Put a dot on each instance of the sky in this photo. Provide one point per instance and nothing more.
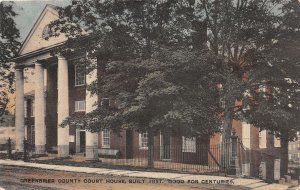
(29, 11)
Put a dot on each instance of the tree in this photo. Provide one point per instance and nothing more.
(255, 40)
(277, 107)
(154, 62)
(9, 44)
(133, 35)
(237, 31)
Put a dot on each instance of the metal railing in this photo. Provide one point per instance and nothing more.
(192, 159)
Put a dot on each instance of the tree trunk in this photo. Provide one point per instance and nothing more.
(150, 149)
(284, 158)
(226, 133)
(227, 125)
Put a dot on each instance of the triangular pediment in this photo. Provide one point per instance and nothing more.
(37, 37)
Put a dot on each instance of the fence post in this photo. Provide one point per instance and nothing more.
(9, 148)
(234, 165)
(25, 156)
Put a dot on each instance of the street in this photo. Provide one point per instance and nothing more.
(20, 178)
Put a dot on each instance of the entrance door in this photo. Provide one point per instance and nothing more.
(129, 144)
(165, 146)
(82, 141)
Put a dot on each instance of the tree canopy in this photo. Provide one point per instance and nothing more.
(9, 45)
(168, 63)
(240, 33)
(156, 65)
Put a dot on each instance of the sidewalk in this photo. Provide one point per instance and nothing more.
(249, 183)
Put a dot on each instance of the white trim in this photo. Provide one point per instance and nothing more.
(140, 141)
(276, 169)
(102, 138)
(75, 79)
(77, 139)
(190, 142)
(276, 142)
(262, 139)
(246, 134)
(26, 131)
(36, 24)
(25, 108)
(79, 106)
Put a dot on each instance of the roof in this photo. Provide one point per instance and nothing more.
(34, 42)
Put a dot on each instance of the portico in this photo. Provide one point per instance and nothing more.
(40, 67)
(56, 93)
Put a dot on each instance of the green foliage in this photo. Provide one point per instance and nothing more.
(149, 52)
(9, 44)
(245, 35)
(277, 70)
(173, 90)
(159, 69)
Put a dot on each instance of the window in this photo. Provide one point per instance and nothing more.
(25, 108)
(263, 139)
(276, 141)
(32, 108)
(79, 75)
(188, 144)
(246, 137)
(105, 138)
(79, 106)
(143, 140)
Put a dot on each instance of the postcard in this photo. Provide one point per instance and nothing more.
(143, 94)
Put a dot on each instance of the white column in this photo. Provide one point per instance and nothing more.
(62, 107)
(39, 110)
(20, 131)
(91, 149)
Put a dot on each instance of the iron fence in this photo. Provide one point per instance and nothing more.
(203, 158)
(192, 159)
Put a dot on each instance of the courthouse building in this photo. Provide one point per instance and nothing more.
(59, 90)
